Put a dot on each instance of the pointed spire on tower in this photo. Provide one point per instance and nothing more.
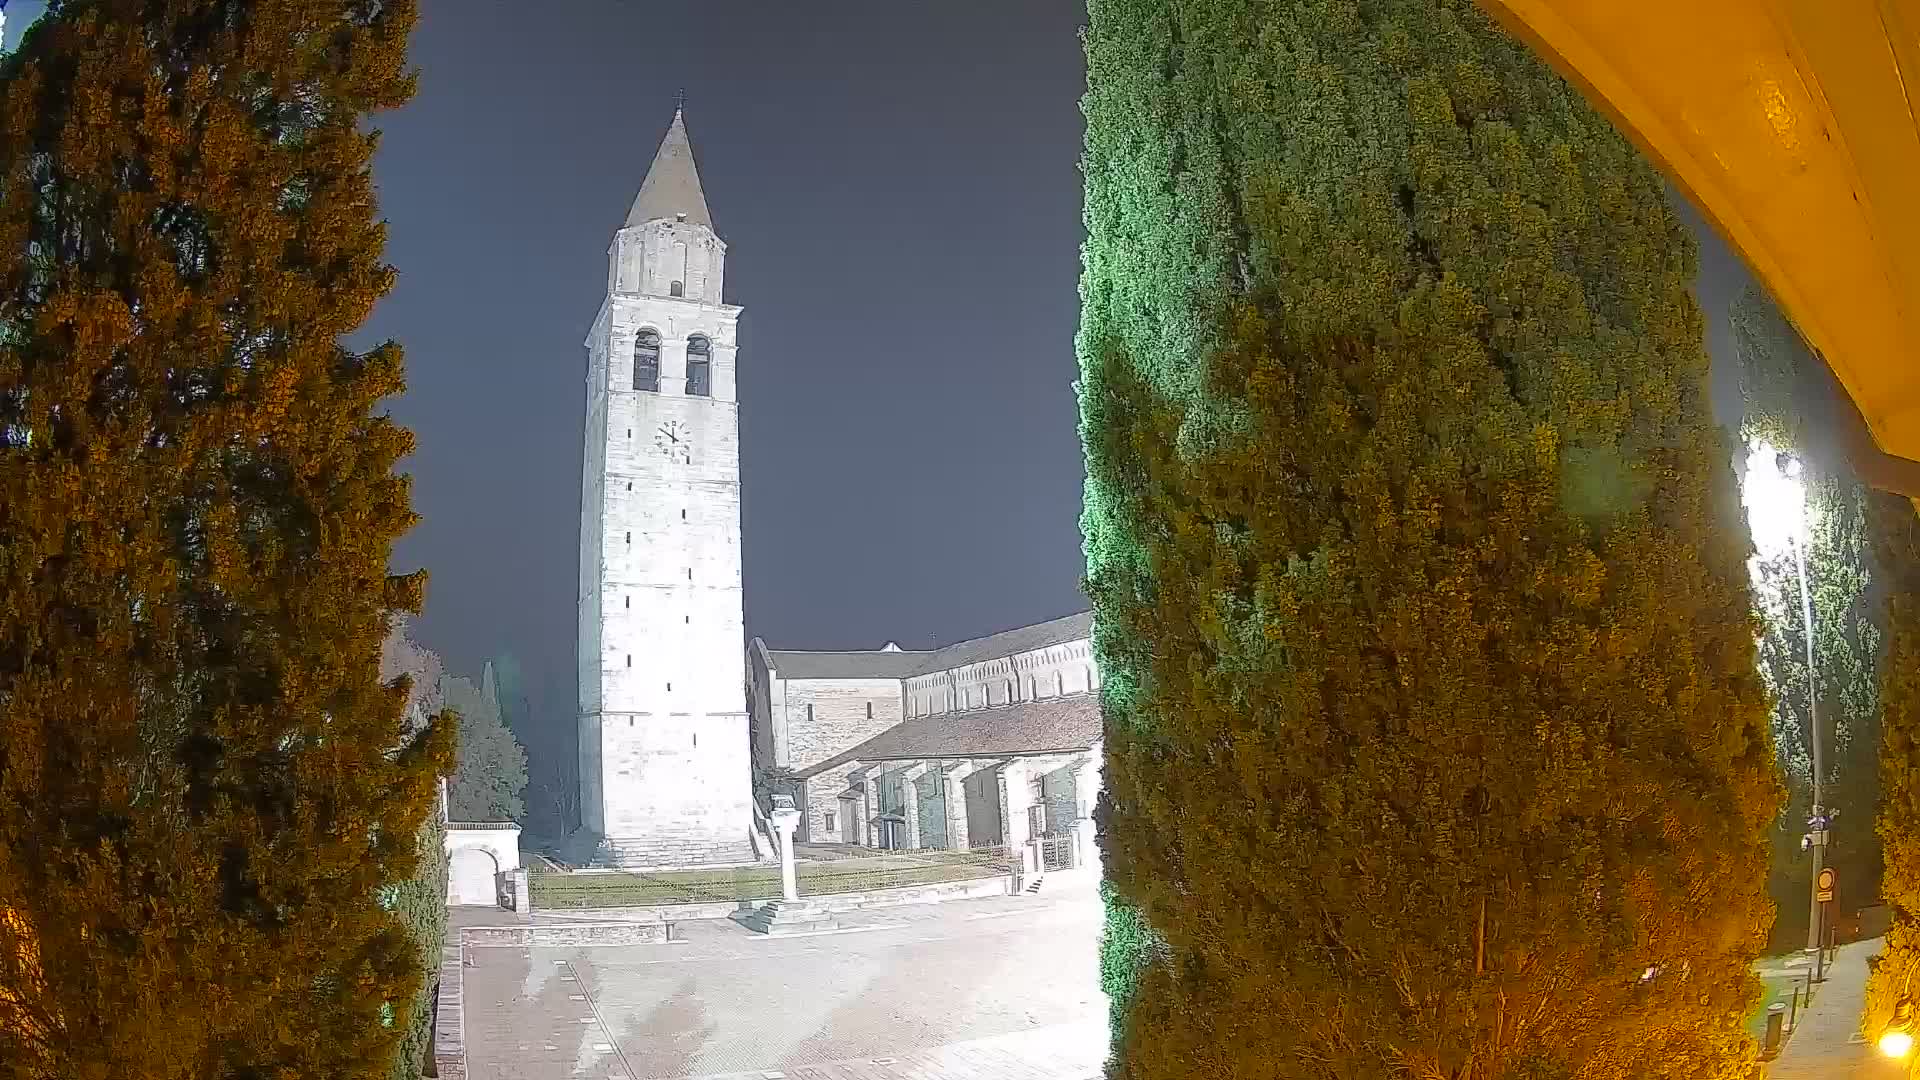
(672, 187)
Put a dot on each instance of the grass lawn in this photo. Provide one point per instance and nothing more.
(816, 878)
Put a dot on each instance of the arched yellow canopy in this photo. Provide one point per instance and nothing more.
(1791, 125)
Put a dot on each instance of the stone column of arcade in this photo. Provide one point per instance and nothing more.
(785, 820)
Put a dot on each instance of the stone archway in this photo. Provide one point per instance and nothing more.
(472, 878)
(477, 853)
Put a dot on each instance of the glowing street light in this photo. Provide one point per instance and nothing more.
(1897, 1040)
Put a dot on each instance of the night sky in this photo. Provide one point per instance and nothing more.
(898, 186)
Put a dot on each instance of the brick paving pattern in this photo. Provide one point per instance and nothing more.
(1006, 988)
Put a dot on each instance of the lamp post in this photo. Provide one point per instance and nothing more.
(1818, 820)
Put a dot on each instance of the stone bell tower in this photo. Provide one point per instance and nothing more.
(664, 767)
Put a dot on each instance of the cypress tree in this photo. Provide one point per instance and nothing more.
(421, 900)
(1846, 618)
(1896, 538)
(490, 778)
(1434, 741)
(205, 785)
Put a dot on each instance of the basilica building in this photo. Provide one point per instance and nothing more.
(985, 743)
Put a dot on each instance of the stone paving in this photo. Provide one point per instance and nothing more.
(1827, 1043)
(1006, 989)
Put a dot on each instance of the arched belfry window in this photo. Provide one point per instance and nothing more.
(699, 367)
(646, 361)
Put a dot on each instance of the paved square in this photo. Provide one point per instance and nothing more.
(1006, 989)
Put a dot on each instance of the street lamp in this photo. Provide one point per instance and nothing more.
(1897, 1040)
(1776, 501)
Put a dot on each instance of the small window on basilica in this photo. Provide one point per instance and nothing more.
(677, 289)
(699, 367)
(829, 815)
(646, 363)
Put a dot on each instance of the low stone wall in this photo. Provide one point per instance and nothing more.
(449, 1018)
(659, 913)
(563, 934)
(911, 894)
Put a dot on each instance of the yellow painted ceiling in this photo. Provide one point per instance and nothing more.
(1791, 126)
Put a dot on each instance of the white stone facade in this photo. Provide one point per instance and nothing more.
(814, 711)
(477, 856)
(1033, 675)
(664, 760)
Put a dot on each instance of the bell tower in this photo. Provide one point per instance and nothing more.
(664, 766)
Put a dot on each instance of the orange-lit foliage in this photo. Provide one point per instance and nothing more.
(1432, 722)
(1895, 532)
(204, 785)
(23, 988)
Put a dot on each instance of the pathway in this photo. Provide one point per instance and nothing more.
(993, 989)
(1827, 1044)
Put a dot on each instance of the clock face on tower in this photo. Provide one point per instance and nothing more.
(674, 441)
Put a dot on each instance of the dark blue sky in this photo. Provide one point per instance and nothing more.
(898, 186)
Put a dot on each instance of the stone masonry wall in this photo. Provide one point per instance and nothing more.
(825, 717)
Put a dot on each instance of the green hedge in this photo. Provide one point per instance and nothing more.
(1847, 613)
(421, 903)
(1432, 721)
(1896, 534)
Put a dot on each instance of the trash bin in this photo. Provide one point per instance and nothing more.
(1776, 1023)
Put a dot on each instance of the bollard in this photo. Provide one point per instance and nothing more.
(1776, 1020)
(1793, 1018)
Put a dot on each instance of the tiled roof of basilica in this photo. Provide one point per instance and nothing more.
(1028, 727)
(900, 664)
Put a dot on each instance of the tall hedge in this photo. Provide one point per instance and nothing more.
(1847, 617)
(1435, 745)
(1896, 535)
(421, 904)
(205, 784)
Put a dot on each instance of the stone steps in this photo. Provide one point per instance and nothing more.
(777, 917)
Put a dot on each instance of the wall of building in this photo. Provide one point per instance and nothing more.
(1067, 668)
(824, 717)
(761, 708)
(1060, 792)
(820, 718)
(984, 825)
(651, 257)
(929, 791)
